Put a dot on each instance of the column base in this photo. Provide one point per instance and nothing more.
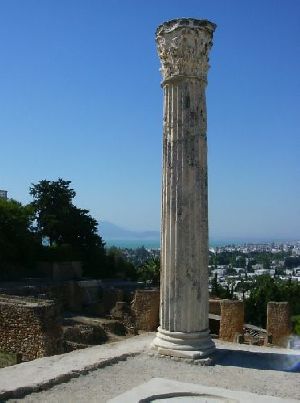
(194, 345)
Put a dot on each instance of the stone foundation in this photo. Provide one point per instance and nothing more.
(145, 308)
(30, 327)
(232, 319)
(278, 322)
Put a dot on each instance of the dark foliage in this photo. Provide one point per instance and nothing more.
(18, 245)
(267, 289)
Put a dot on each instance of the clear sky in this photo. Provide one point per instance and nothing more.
(80, 99)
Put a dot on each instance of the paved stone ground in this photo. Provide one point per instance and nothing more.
(262, 371)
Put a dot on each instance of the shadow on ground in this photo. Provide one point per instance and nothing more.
(262, 361)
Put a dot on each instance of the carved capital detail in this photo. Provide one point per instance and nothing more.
(183, 46)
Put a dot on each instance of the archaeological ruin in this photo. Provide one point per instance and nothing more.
(29, 327)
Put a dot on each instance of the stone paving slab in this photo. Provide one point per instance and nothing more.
(41, 373)
(167, 390)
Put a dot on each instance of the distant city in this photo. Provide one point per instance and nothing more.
(234, 267)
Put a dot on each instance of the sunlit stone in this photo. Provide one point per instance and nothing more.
(183, 47)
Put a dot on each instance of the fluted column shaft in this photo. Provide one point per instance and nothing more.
(184, 244)
(183, 47)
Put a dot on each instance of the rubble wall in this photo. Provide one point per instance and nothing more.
(30, 327)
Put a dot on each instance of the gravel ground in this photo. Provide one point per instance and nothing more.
(250, 374)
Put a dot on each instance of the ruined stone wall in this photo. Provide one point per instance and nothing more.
(215, 306)
(232, 319)
(60, 271)
(30, 327)
(278, 322)
(145, 308)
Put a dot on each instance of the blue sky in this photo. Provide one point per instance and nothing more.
(81, 99)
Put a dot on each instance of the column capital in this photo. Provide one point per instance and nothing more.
(183, 45)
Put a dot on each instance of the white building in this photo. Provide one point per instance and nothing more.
(3, 194)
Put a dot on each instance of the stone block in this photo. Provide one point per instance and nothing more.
(85, 334)
(232, 319)
(145, 308)
(120, 310)
(278, 322)
(215, 306)
(30, 327)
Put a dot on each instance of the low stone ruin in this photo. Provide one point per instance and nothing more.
(278, 322)
(33, 327)
(145, 308)
(226, 320)
(30, 327)
(232, 319)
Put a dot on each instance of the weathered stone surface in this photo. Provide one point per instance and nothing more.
(215, 306)
(85, 334)
(183, 46)
(232, 319)
(116, 327)
(110, 297)
(145, 307)
(120, 310)
(30, 327)
(17, 380)
(176, 392)
(278, 322)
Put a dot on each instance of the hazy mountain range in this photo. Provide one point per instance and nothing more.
(110, 231)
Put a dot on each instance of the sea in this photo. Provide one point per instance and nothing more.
(132, 244)
(155, 244)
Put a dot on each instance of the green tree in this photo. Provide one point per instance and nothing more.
(72, 232)
(118, 266)
(52, 202)
(241, 261)
(218, 291)
(291, 262)
(58, 219)
(149, 272)
(243, 286)
(17, 241)
(266, 289)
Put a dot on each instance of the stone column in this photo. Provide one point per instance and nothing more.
(183, 47)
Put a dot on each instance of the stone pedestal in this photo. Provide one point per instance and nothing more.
(232, 320)
(145, 307)
(183, 47)
(278, 322)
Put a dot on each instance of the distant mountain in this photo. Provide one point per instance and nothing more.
(110, 231)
